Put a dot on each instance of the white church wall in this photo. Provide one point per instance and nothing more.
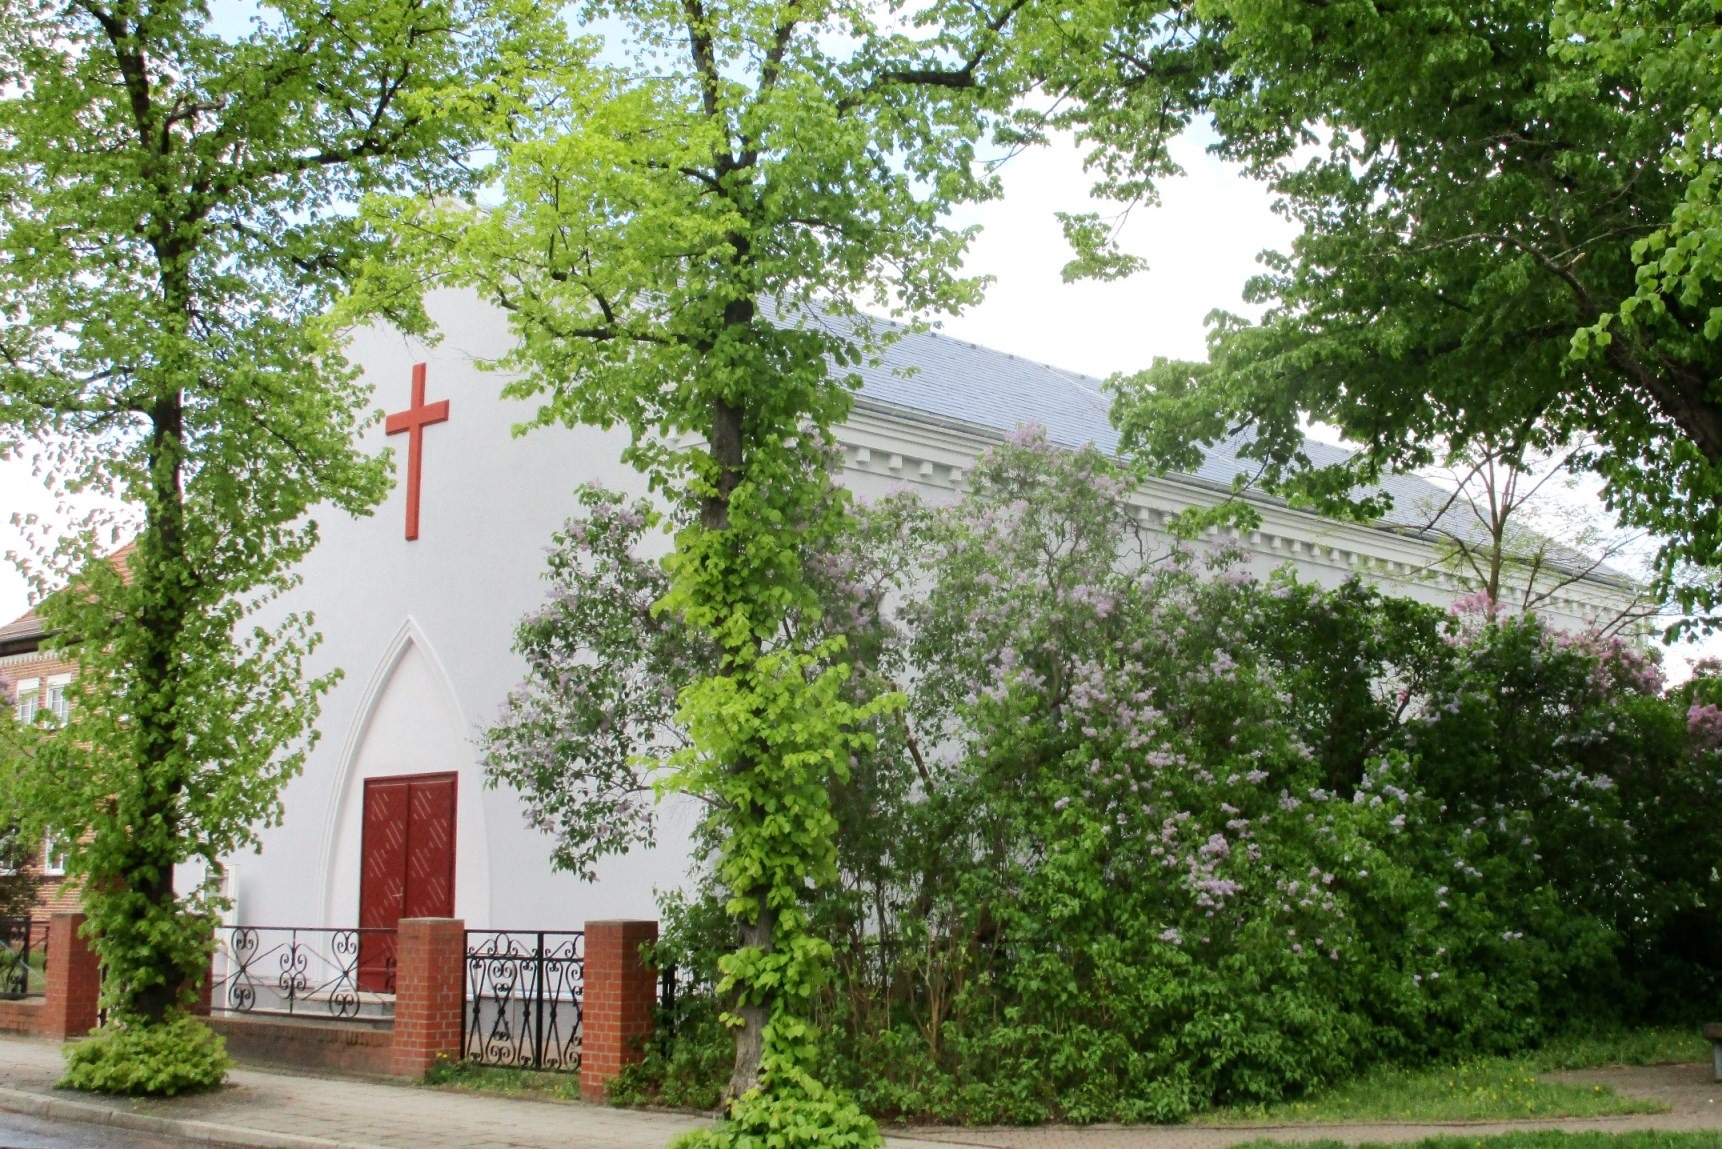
(489, 504)
(423, 629)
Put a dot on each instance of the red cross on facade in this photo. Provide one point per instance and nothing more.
(413, 422)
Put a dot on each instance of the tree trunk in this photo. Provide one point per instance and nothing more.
(750, 1036)
(726, 451)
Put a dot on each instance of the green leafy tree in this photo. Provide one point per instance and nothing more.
(679, 245)
(18, 880)
(176, 221)
(1509, 235)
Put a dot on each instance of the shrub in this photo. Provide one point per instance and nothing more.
(810, 1117)
(179, 1055)
(1153, 831)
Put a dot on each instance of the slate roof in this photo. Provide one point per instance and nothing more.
(21, 635)
(954, 380)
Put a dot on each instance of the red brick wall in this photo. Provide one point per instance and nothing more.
(22, 1017)
(54, 895)
(620, 994)
(342, 1048)
(57, 896)
(74, 980)
(430, 961)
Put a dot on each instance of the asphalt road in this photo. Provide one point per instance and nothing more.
(20, 1132)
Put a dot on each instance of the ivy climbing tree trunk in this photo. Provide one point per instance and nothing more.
(680, 246)
(756, 932)
(149, 853)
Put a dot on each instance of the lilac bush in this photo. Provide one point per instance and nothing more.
(582, 734)
(1149, 830)
(1194, 835)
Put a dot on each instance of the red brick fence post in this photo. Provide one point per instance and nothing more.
(619, 993)
(74, 983)
(430, 992)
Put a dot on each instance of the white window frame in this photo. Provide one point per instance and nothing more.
(53, 864)
(5, 870)
(53, 697)
(29, 698)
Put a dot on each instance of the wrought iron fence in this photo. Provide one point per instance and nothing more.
(338, 973)
(23, 957)
(523, 998)
(680, 992)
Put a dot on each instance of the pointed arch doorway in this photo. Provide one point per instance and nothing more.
(406, 864)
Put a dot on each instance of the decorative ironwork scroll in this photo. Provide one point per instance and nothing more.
(23, 952)
(297, 970)
(523, 998)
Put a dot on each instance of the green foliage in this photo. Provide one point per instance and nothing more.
(1669, 49)
(148, 1059)
(805, 1116)
(1589, 1047)
(1152, 834)
(686, 1068)
(176, 223)
(1489, 1089)
(1509, 230)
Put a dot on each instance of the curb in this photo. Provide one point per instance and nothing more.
(191, 1132)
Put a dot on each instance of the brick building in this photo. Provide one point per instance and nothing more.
(39, 679)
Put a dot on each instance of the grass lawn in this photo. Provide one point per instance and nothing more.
(1663, 1046)
(1488, 1089)
(1542, 1139)
(1494, 1090)
(465, 1077)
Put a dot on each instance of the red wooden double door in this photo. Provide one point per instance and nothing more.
(407, 868)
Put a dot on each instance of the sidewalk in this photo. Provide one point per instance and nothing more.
(268, 1110)
(265, 1110)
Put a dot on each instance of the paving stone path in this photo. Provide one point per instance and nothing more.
(276, 1110)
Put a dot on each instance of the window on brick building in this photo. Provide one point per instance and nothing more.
(54, 697)
(53, 860)
(29, 698)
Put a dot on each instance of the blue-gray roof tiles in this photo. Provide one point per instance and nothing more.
(949, 379)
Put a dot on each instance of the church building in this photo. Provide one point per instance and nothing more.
(418, 604)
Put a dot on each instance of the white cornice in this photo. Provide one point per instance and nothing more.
(24, 658)
(935, 453)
